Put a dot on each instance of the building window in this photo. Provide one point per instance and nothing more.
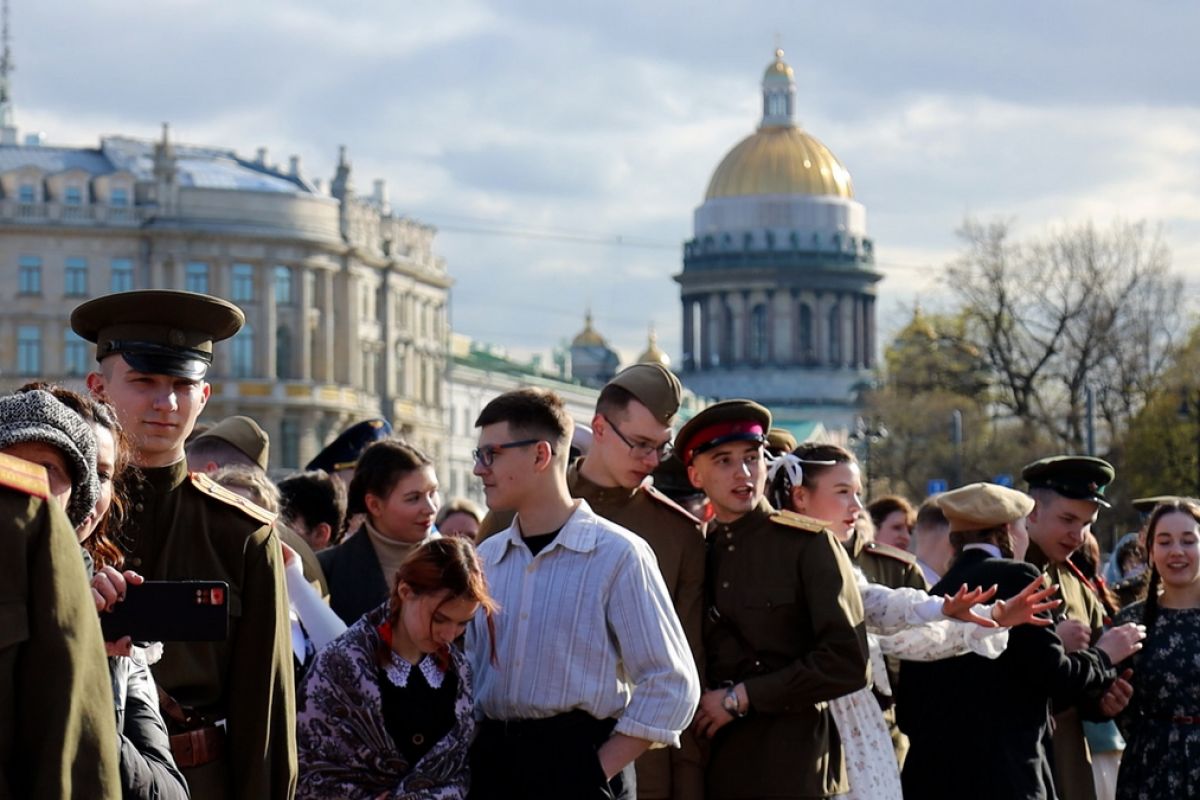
(835, 336)
(119, 197)
(196, 277)
(121, 277)
(75, 354)
(804, 334)
(29, 275)
(75, 280)
(758, 334)
(283, 286)
(243, 283)
(29, 351)
(242, 353)
(289, 435)
(26, 193)
(73, 196)
(283, 353)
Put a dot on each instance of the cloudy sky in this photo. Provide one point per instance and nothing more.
(561, 148)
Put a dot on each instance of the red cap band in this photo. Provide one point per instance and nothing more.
(720, 433)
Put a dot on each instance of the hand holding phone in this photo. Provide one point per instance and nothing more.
(170, 611)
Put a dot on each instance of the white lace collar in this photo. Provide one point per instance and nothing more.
(398, 671)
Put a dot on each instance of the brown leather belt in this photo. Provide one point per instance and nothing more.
(199, 747)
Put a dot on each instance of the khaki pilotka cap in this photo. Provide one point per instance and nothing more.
(244, 434)
(780, 441)
(979, 506)
(654, 386)
(159, 332)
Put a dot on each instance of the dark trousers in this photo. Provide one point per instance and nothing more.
(545, 759)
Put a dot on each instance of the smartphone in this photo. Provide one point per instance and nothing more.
(170, 611)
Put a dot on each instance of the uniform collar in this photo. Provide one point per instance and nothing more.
(593, 492)
(745, 522)
(1035, 556)
(854, 545)
(164, 479)
(578, 533)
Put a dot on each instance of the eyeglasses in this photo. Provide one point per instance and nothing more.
(640, 450)
(485, 456)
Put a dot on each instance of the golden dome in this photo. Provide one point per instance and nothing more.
(780, 160)
(653, 355)
(588, 337)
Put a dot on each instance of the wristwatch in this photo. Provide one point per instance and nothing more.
(730, 702)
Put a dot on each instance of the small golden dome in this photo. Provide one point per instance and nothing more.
(588, 337)
(653, 355)
(780, 160)
(778, 67)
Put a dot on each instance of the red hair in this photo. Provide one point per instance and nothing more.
(447, 564)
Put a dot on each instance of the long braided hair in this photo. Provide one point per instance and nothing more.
(1192, 509)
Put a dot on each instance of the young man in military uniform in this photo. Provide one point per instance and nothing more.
(631, 434)
(232, 703)
(1068, 492)
(784, 632)
(58, 735)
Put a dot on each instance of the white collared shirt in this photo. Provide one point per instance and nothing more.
(586, 624)
(987, 547)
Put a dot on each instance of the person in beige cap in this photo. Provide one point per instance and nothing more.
(631, 436)
(233, 440)
(232, 703)
(978, 727)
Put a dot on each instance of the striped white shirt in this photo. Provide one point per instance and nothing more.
(586, 624)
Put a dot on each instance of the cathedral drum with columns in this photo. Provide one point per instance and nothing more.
(778, 282)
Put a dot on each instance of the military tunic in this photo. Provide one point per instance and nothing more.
(676, 538)
(895, 568)
(58, 733)
(1072, 759)
(787, 620)
(187, 528)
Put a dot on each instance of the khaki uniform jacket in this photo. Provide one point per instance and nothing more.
(185, 527)
(677, 540)
(895, 568)
(1072, 759)
(787, 620)
(58, 732)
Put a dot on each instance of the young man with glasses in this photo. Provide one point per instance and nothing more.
(590, 667)
(631, 435)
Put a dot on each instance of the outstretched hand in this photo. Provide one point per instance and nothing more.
(959, 605)
(1024, 607)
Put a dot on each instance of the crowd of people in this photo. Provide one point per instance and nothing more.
(708, 612)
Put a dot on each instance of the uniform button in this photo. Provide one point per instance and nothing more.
(139, 507)
(729, 535)
(134, 562)
(724, 584)
(731, 548)
(524, 615)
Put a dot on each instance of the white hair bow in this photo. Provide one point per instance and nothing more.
(791, 464)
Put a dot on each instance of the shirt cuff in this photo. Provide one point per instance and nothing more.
(656, 736)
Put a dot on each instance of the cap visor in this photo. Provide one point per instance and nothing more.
(177, 367)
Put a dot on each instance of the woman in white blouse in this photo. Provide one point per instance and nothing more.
(906, 623)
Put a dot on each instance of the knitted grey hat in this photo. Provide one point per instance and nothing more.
(38, 416)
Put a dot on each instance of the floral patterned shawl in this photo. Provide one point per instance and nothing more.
(345, 750)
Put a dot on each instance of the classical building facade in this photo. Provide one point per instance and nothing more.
(778, 281)
(345, 301)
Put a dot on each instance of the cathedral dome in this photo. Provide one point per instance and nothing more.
(653, 353)
(589, 336)
(780, 160)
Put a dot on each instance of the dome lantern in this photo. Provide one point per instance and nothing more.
(653, 353)
(779, 94)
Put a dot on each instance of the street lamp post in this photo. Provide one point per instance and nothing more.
(866, 434)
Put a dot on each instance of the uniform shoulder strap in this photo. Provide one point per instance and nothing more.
(660, 498)
(791, 519)
(207, 486)
(24, 476)
(887, 551)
